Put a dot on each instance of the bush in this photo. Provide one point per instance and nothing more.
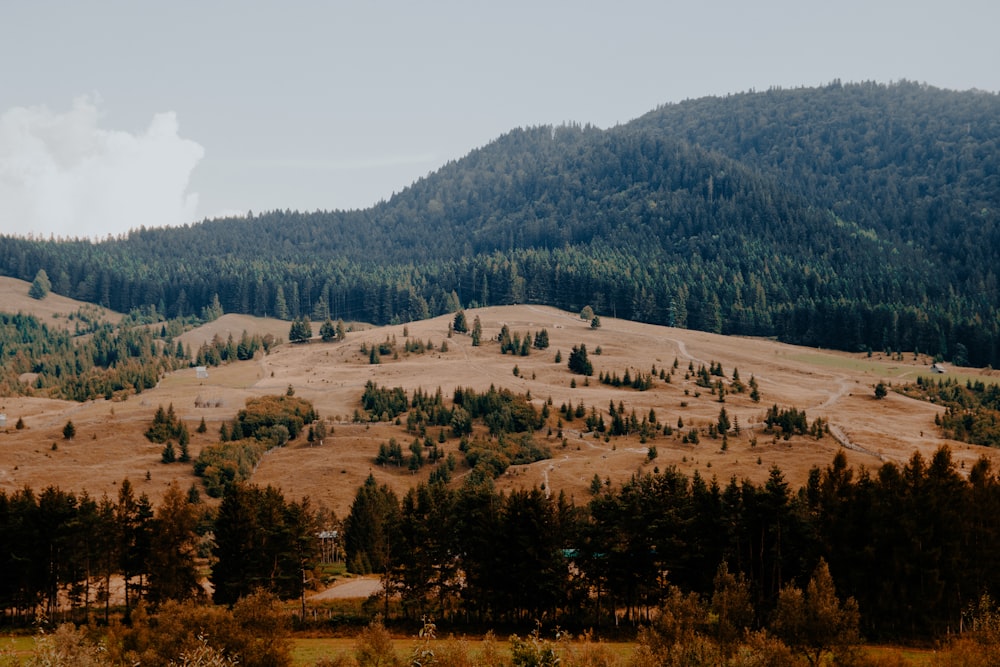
(374, 647)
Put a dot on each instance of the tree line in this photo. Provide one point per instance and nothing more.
(848, 216)
(914, 545)
(63, 546)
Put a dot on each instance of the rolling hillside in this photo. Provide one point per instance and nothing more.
(110, 446)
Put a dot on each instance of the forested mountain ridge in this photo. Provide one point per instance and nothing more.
(847, 216)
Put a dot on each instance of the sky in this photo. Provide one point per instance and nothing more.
(120, 114)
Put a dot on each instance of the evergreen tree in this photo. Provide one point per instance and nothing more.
(327, 331)
(477, 331)
(541, 341)
(578, 361)
(183, 440)
(370, 528)
(300, 331)
(40, 286)
(280, 304)
(173, 570)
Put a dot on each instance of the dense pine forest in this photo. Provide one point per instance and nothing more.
(859, 216)
(914, 545)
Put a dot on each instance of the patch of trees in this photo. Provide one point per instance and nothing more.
(63, 553)
(428, 409)
(266, 422)
(641, 381)
(383, 403)
(167, 428)
(786, 422)
(579, 363)
(391, 453)
(219, 351)
(328, 331)
(501, 410)
(264, 418)
(61, 546)
(508, 417)
(124, 359)
(262, 542)
(515, 344)
(111, 361)
(222, 464)
(972, 411)
(494, 455)
(301, 330)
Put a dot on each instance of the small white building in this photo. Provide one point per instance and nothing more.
(201, 372)
(938, 368)
(3, 420)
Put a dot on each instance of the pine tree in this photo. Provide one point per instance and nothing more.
(183, 439)
(169, 455)
(477, 331)
(578, 361)
(280, 305)
(300, 331)
(40, 286)
(327, 331)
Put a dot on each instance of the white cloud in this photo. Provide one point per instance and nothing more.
(61, 174)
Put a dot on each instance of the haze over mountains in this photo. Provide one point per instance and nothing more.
(851, 216)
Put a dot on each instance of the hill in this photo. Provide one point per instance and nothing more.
(856, 216)
(837, 387)
(54, 309)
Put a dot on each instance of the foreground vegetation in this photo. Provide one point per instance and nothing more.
(812, 628)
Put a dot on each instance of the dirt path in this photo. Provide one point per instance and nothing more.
(362, 587)
(838, 434)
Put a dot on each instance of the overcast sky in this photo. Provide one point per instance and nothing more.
(120, 114)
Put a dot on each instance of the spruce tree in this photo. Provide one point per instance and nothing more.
(40, 286)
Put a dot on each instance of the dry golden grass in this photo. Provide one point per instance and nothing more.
(53, 310)
(109, 445)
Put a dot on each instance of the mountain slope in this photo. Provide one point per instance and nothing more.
(847, 216)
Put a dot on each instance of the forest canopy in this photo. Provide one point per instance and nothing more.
(853, 216)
